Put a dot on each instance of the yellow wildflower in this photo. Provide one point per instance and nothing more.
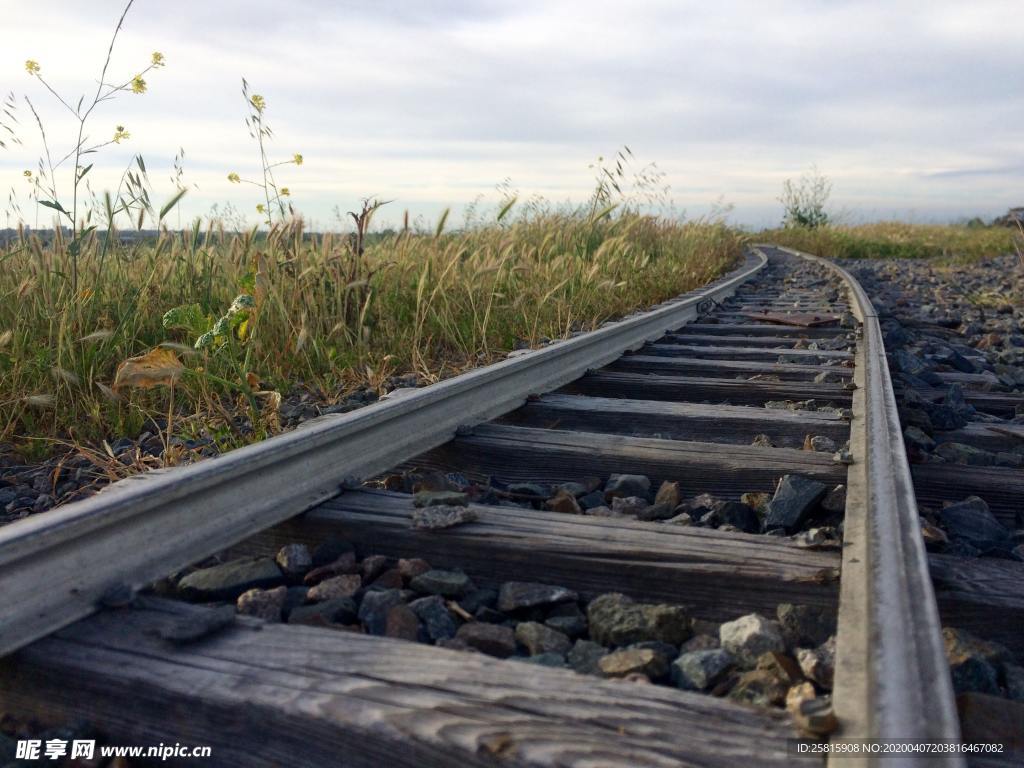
(285, 192)
(32, 67)
(234, 178)
(138, 84)
(158, 59)
(297, 158)
(260, 208)
(258, 102)
(120, 133)
(28, 174)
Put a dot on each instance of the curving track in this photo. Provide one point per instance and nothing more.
(675, 394)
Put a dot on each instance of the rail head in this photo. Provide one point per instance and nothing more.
(892, 681)
(56, 567)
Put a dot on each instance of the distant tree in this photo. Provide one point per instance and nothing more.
(803, 202)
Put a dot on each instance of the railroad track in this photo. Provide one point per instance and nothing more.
(545, 485)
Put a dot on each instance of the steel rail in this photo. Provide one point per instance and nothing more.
(892, 680)
(57, 567)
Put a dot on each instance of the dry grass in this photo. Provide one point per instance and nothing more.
(327, 316)
(891, 239)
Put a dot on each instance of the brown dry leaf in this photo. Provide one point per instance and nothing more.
(156, 367)
(271, 399)
(271, 407)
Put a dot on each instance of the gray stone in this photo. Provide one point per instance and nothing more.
(974, 663)
(760, 687)
(446, 583)
(655, 512)
(229, 580)
(339, 611)
(794, 500)
(971, 522)
(669, 651)
(478, 599)
(345, 585)
(710, 520)
(266, 604)
(492, 639)
(568, 619)
(591, 500)
(435, 616)
(700, 670)
(373, 611)
(489, 615)
(698, 506)
(628, 506)
(956, 401)
(517, 595)
(739, 515)
(627, 485)
(907, 362)
(628, 661)
(835, 500)
(819, 664)
(616, 620)
(668, 493)
(917, 438)
(683, 519)
(823, 444)
(436, 518)
(579, 489)
(749, 636)
(294, 560)
(346, 563)
(700, 642)
(412, 567)
(960, 453)
(585, 656)
(537, 638)
(403, 624)
(564, 503)
(806, 625)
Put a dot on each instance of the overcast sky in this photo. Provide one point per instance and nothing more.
(912, 108)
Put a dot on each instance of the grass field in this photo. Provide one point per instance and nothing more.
(325, 313)
(897, 240)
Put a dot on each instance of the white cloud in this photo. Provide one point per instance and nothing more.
(907, 107)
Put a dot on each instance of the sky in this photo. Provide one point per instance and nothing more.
(911, 109)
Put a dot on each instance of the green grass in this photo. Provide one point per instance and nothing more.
(326, 317)
(897, 240)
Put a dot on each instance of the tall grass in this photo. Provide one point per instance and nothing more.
(325, 315)
(897, 240)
